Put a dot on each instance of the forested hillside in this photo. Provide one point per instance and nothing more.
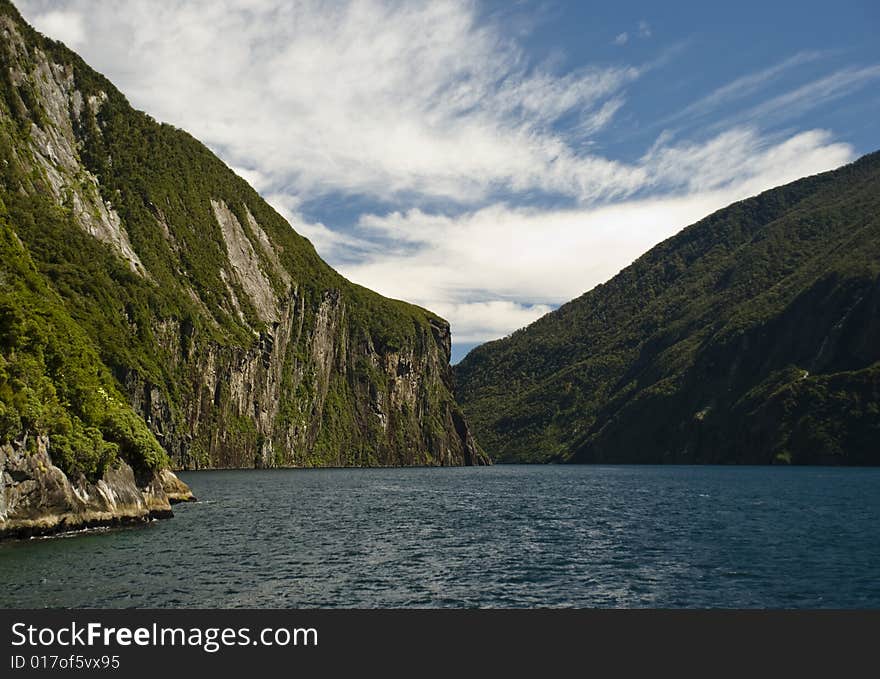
(752, 336)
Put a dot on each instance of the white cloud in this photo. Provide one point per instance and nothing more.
(66, 26)
(484, 269)
(742, 157)
(621, 39)
(644, 29)
(371, 97)
(478, 321)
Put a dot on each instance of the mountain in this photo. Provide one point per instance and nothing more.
(155, 312)
(752, 336)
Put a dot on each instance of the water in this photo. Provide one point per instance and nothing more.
(506, 536)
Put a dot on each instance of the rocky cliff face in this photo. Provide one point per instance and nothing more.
(193, 299)
(316, 394)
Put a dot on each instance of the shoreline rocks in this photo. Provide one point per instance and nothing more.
(37, 498)
(175, 489)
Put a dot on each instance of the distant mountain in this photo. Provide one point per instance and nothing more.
(752, 336)
(156, 312)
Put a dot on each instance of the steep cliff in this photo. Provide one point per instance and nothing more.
(196, 305)
(753, 336)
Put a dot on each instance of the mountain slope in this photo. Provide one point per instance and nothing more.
(156, 311)
(751, 336)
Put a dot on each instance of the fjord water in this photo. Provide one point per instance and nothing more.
(504, 536)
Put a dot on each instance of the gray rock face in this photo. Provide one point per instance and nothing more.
(284, 402)
(54, 149)
(245, 263)
(37, 498)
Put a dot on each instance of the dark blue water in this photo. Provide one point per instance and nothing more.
(508, 536)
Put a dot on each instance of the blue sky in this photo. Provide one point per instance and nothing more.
(491, 160)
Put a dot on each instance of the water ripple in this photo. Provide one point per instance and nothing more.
(488, 537)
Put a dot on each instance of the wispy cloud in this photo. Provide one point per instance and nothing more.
(643, 30)
(743, 86)
(377, 98)
(741, 157)
(492, 270)
(813, 94)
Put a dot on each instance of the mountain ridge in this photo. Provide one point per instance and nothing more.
(603, 366)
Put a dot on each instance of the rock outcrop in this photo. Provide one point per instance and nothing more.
(37, 498)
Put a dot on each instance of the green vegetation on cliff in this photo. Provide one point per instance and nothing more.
(151, 294)
(752, 336)
(52, 382)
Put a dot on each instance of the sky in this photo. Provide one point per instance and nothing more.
(492, 160)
